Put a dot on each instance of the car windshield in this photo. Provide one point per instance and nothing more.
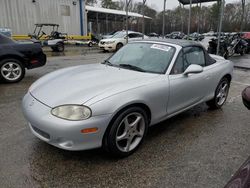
(144, 57)
(119, 35)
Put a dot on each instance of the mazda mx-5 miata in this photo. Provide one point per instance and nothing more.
(112, 104)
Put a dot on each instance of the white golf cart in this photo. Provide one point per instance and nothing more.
(54, 39)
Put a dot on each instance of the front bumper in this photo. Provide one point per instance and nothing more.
(107, 47)
(63, 133)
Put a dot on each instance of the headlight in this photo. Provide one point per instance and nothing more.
(72, 112)
(110, 42)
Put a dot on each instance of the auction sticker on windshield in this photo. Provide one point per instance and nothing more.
(161, 47)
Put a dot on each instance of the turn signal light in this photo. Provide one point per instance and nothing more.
(89, 130)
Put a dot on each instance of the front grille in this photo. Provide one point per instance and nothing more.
(41, 133)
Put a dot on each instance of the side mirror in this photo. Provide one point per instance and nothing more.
(193, 69)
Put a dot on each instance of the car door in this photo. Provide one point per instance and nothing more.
(187, 90)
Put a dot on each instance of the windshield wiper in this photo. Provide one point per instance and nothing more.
(107, 62)
(132, 67)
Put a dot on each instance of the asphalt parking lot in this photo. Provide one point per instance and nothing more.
(198, 148)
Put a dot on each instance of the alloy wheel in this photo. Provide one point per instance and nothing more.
(11, 71)
(222, 93)
(130, 132)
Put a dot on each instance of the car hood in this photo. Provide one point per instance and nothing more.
(77, 85)
(107, 36)
(110, 39)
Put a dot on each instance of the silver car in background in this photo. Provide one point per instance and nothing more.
(112, 104)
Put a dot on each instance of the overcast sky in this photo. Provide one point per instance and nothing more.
(158, 4)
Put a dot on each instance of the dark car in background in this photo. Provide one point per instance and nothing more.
(16, 57)
(5, 31)
(246, 97)
(175, 35)
(241, 178)
(153, 35)
(195, 36)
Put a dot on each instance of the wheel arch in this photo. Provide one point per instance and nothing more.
(228, 76)
(136, 104)
(119, 43)
(14, 56)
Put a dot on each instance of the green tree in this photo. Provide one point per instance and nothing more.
(110, 4)
(91, 2)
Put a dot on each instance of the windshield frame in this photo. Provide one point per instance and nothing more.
(146, 71)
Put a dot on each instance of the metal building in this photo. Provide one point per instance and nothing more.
(21, 15)
(72, 16)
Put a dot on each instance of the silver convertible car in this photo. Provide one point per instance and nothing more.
(112, 104)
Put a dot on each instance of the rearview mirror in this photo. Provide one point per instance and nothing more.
(193, 69)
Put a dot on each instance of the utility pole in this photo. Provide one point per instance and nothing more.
(198, 16)
(189, 20)
(163, 24)
(220, 25)
(143, 19)
(181, 17)
(243, 5)
(127, 4)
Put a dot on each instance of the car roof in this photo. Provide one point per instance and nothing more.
(179, 42)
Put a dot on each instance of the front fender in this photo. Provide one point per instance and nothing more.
(154, 95)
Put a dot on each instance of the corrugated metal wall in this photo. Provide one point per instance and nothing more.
(21, 15)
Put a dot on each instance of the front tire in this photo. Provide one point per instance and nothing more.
(119, 46)
(11, 71)
(221, 94)
(127, 132)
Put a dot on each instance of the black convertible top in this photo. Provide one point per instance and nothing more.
(185, 43)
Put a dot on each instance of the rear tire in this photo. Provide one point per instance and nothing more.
(58, 48)
(126, 133)
(90, 44)
(11, 71)
(220, 95)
